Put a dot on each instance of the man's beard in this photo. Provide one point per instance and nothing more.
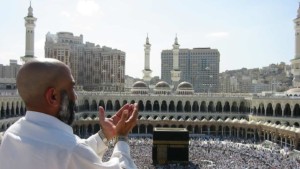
(67, 109)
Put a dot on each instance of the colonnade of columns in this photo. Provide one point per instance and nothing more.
(85, 129)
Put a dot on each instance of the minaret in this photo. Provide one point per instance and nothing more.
(147, 71)
(30, 25)
(296, 61)
(175, 73)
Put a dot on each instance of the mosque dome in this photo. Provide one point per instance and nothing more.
(139, 84)
(140, 87)
(162, 84)
(185, 88)
(162, 87)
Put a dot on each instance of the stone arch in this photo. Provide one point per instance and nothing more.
(226, 107)
(187, 106)
(17, 109)
(195, 107)
(242, 108)
(150, 129)
(219, 106)
(142, 129)
(86, 105)
(278, 110)
(156, 106)
(203, 107)
(12, 110)
(109, 106)
(7, 113)
(190, 128)
(141, 105)
(172, 106)
(296, 111)
(148, 106)
(269, 110)
(179, 107)
(212, 130)
(254, 110)
(261, 109)
(164, 106)
(101, 103)
(287, 110)
(204, 129)
(234, 107)
(90, 130)
(117, 105)
(94, 106)
(196, 129)
(2, 115)
(211, 107)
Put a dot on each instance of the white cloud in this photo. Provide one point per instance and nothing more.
(87, 7)
(218, 34)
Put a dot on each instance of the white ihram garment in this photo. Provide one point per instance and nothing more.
(40, 141)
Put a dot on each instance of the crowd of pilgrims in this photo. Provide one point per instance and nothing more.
(218, 153)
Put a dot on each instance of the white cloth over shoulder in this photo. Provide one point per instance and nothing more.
(42, 141)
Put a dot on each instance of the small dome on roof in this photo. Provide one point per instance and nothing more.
(185, 86)
(162, 87)
(140, 87)
(139, 84)
(162, 84)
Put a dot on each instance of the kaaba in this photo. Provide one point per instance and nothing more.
(170, 145)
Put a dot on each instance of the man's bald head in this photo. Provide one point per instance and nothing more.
(36, 76)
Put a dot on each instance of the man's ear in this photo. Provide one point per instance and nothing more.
(52, 97)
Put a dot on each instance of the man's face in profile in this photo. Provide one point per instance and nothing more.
(67, 109)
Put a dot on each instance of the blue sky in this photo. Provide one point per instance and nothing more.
(247, 33)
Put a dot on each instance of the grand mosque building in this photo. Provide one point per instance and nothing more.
(273, 118)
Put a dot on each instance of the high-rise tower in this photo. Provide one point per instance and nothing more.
(175, 73)
(147, 71)
(30, 25)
